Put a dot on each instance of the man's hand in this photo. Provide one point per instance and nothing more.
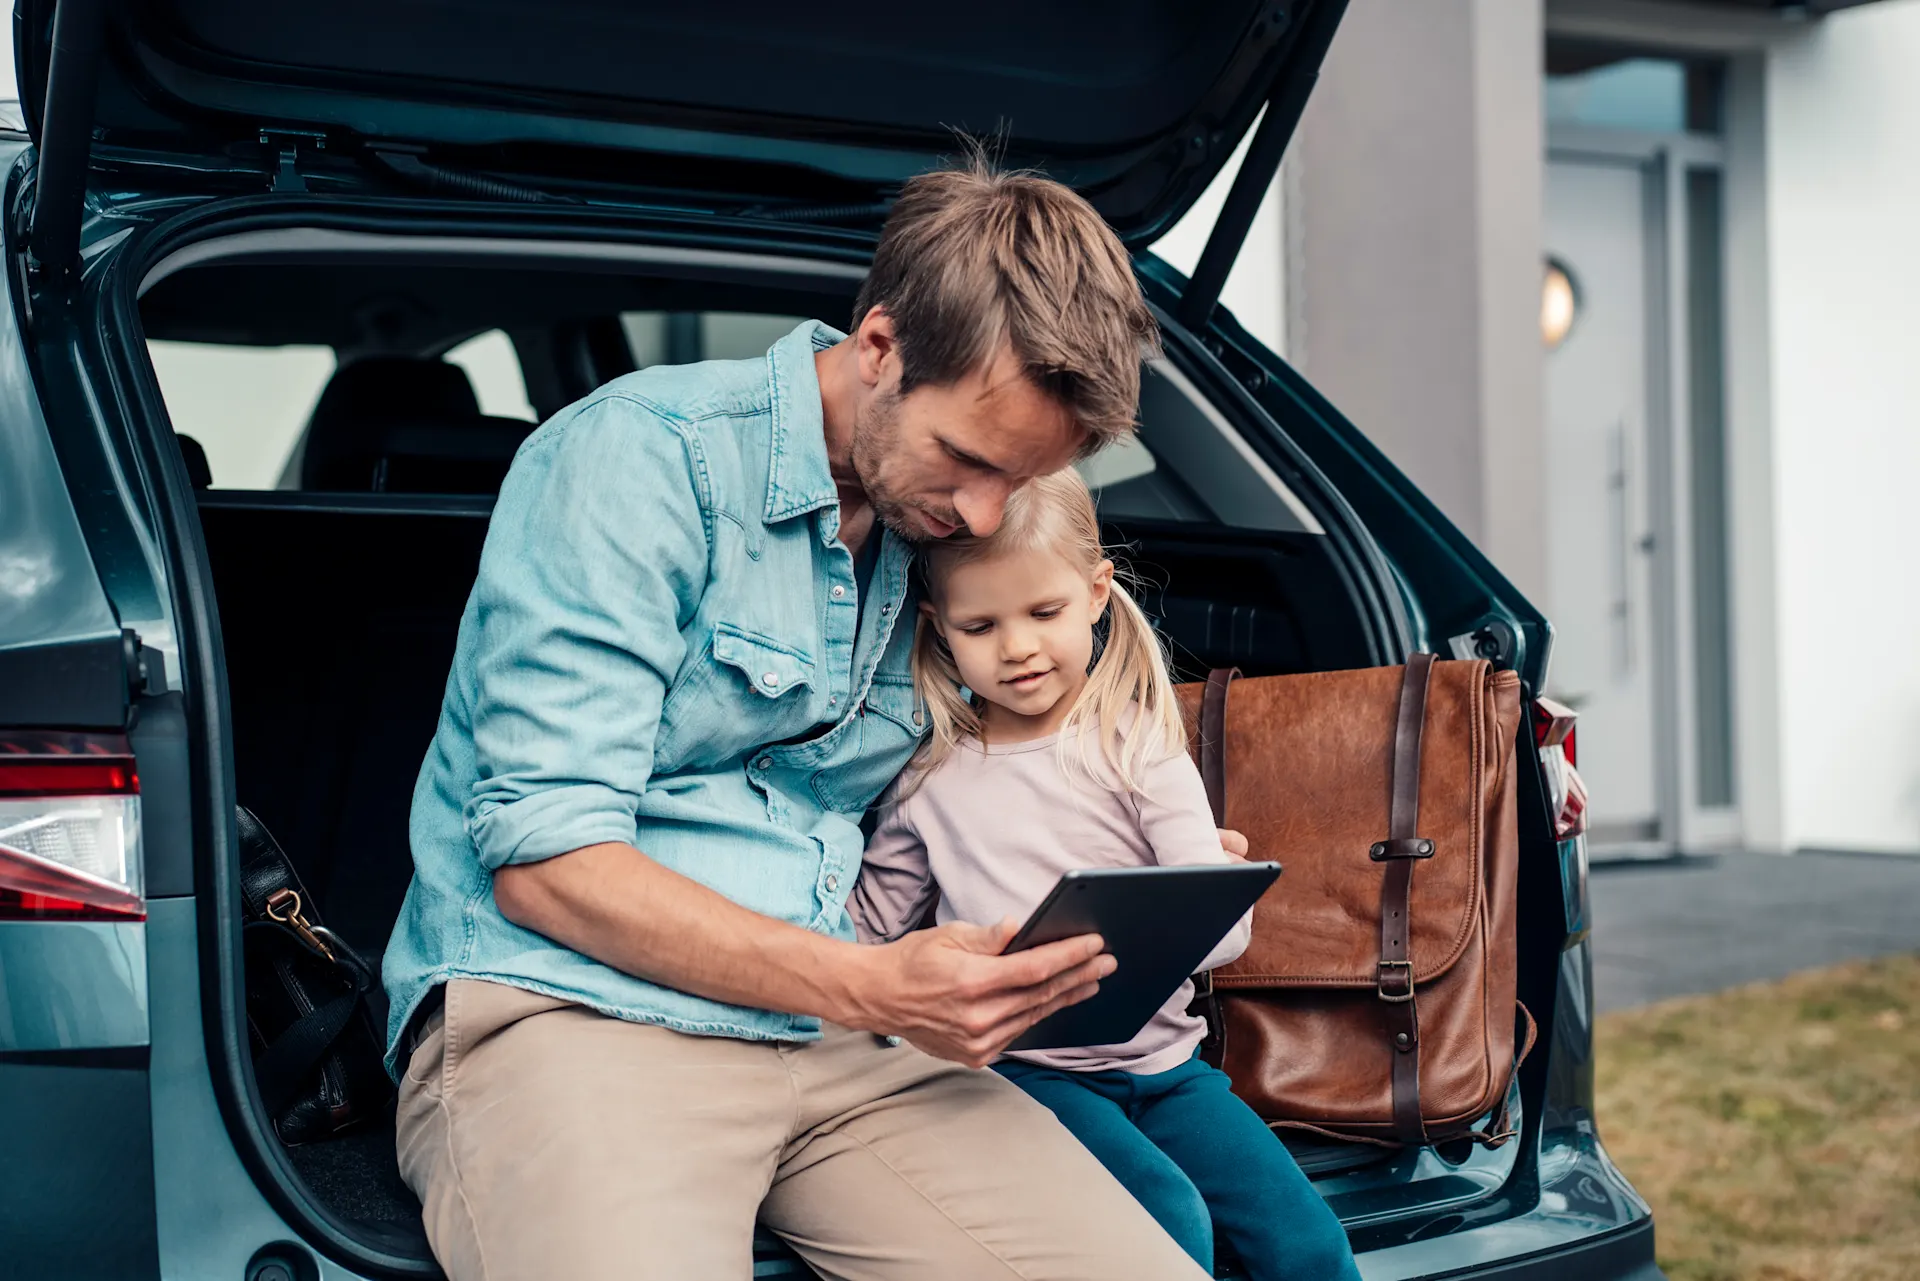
(1233, 842)
(950, 992)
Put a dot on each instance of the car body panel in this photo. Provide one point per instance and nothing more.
(60, 648)
(72, 985)
(76, 1181)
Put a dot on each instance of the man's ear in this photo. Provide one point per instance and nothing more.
(878, 348)
(1101, 590)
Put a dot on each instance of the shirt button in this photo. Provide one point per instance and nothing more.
(771, 678)
(893, 1042)
(837, 592)
(833, 700)
(886, 609)
(765, 762)
(833, 882)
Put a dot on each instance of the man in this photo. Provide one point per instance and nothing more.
(625, 998)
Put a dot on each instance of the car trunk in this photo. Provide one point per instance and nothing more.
(328, 737)
(338, 610)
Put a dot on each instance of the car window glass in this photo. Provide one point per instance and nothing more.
(1127, 480)
(493, 367)
(683, 337)
(246, 406)
(1122, 461)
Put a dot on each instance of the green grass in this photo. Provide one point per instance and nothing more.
(1775, 1128)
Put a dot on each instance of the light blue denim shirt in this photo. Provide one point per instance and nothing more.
(663, 647)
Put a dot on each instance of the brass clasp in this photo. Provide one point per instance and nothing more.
(288, 901)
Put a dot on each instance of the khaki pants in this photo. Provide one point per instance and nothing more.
(548, 1141)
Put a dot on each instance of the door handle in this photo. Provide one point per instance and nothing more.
(1620, 607)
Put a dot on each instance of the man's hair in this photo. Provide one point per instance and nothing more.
(971, 258)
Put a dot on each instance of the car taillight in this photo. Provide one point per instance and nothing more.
(1553, 733)
(69, 829)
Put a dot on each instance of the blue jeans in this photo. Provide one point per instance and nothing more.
(1197, 1157)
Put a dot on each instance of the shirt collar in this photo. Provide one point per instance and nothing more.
(798, 480)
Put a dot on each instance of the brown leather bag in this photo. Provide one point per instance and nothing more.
(1376, 1001)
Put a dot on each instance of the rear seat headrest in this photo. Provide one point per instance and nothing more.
(387, 418)
(199, 471)
(391, 387)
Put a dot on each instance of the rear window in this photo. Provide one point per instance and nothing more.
(493, 367)
(683, 337)
(245, 406)
(1128, 481)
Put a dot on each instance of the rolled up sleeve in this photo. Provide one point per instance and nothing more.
(595, 559)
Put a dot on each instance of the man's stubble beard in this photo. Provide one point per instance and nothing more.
(876, 441)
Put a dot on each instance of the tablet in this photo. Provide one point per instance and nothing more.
(1159, 923)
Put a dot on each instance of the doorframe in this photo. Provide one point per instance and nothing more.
(1684, 823)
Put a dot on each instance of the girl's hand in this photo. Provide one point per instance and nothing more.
(1233, 843)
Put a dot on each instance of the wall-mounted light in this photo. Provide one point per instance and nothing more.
(1559, 303)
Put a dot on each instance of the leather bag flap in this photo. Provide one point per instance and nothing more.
(1309, 777)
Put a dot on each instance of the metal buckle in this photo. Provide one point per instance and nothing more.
(1400, 847)
(1379, 981)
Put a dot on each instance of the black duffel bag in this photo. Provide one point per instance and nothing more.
(316, 1047)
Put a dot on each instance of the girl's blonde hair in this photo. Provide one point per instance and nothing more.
(1055, 514)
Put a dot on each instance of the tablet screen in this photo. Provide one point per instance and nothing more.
(1159, 923)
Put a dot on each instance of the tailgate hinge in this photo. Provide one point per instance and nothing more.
(146, 666)
(1491, 638)
(283, 151)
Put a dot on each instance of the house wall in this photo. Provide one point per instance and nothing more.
(1843, 197)
(1396, 262)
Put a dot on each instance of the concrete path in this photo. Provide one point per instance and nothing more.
(1703, 924)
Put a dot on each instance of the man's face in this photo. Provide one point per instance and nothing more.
(940, 459)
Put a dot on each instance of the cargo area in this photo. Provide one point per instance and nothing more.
(342, 546)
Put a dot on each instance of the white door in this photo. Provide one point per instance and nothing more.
(1601, 572)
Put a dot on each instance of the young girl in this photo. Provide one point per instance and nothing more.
(1043, 758)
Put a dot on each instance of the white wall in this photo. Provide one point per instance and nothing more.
(1843, 180)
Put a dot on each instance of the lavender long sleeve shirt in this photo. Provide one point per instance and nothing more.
(995, 826)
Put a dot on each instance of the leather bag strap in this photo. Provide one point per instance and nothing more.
(1213, 776)
(1401, 851)
(283, 1070)
(1213, 740)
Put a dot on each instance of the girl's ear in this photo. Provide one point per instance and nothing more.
(1101, 588)
(932, 615)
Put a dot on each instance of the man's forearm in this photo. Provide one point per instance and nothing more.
(613, 903)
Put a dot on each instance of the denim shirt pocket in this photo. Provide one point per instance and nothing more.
(744, 691)
(887, 730)
(770, 668)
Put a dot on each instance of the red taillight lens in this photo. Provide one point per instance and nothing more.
(1553, 732)
(69, 829)
(1553, 725)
